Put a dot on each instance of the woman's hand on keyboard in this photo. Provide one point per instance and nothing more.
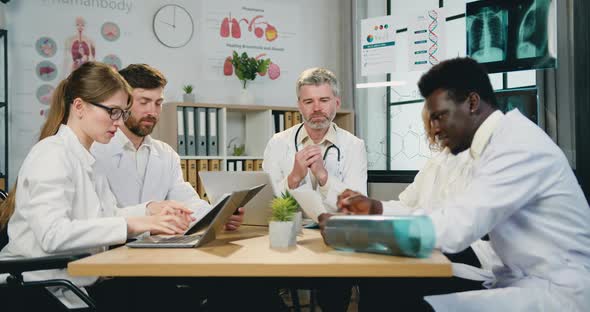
(170, 207)
(160, 224)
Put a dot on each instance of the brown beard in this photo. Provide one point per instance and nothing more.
(136, 128)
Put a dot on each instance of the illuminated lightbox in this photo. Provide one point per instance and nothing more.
(508, 35)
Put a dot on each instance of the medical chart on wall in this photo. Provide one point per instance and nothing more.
(377, 42)
(426, 40)
(409, 144)
(261, 28)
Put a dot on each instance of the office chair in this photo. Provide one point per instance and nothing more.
(15, 285)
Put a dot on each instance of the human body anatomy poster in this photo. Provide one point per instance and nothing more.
(426, 46)
(377, 45)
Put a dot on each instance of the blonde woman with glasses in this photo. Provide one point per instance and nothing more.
(59, 205)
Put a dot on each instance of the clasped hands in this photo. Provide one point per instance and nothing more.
(309, 157)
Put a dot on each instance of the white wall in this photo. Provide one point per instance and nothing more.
(320, 37)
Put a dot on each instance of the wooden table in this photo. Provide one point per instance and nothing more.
(246, 253)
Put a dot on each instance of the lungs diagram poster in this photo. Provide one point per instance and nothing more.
(261, 28)
(377, 45)
(426, 39)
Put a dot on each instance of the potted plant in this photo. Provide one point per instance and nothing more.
(188, 95)
(281, 227)
(297, 214)
(246, 69)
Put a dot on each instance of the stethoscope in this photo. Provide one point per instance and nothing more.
(327, 149)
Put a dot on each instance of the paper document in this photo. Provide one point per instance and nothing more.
(311, 203)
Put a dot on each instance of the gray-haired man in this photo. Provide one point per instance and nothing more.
(317, 154)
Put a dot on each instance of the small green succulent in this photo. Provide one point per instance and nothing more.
(188, 89)
(283, 208)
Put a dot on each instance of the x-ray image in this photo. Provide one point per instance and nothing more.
(487, 35)
(507, 35)
(532, 38)
(525, 100)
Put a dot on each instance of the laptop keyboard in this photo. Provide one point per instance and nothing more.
(180, 239)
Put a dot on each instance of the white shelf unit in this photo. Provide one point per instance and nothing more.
(250, 125)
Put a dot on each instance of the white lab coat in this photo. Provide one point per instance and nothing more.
(525, 195)
(443, 176)
(350, 172)
(163, 177)
(63, 207)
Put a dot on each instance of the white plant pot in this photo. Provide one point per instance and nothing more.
(246, 97)
(281, 234)
(298, 223)
(190, 97)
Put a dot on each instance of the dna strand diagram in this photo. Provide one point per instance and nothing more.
(433, 37)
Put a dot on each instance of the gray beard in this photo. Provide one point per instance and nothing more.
(318, 125)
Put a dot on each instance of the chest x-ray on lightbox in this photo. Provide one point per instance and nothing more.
(508, 35)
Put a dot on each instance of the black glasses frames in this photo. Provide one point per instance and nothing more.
(114, 112)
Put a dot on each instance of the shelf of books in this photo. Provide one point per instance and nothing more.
(226, 137)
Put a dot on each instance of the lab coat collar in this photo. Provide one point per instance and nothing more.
(73, 144)
(484, 133)
(330, 135)
(121, 142)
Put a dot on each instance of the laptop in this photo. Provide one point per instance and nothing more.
(217, 183)
(206, 229)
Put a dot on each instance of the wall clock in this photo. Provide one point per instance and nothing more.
(173, 26)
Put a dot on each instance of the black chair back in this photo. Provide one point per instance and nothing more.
(4, 231)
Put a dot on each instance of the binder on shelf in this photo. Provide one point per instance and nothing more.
(239, 165)
(184, 168)
(189, 125)
(275, 122)
(192, 172)
(258, 165)
(249, 165)
(212, 132)
(297, 118)
(202, 165)
(181, 137)
(214, 165)
(281, 121)
(231, 165)
(201, 130)
(288, 120)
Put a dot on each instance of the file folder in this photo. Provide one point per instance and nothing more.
(212, 132)
(183, 167)
(248, 165)
(297, 118)
(192, 172)
(214, 165)
(276, 121)
(201, 131)
(288, 120)
(189, 123)
(258, 165)
(281, 121)
(181, 141)
(231, 165)
(202, 165)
